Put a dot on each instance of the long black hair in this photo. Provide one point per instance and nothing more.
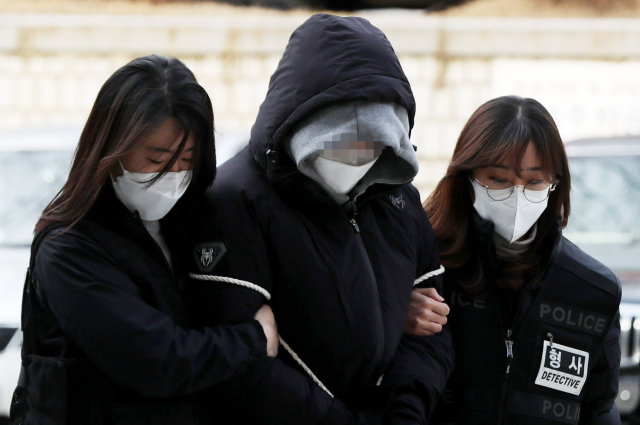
(133, 102)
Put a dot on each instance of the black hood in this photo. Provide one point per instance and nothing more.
(329, 59)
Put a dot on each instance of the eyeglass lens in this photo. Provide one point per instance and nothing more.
(536, 191)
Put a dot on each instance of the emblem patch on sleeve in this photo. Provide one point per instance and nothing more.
(208, 254)
(397, 201)
(563, 368)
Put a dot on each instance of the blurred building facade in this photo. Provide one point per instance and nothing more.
(586, 72)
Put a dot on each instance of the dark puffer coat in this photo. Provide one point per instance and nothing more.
(573, 302)
(107, 335)
(341, 277)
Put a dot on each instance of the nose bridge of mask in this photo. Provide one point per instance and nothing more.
(172, 184)
(140, 178)
(517, 199)
(523, 202)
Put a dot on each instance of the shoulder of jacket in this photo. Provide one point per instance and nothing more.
(412, 191)
(578, 262)
(65, 240)
(60, 250)
(412, 195)
(239, 180)
(406, 193)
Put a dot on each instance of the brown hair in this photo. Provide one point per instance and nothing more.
(133, 102)
(500, 130)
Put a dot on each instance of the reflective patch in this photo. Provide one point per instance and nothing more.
(460, 299)
(208, 254)
(571, 317)
(550, 408)
(563, 368)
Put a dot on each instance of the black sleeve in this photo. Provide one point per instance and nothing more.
(98, 306)
(598, 406)
(271, 391)
(422, 364)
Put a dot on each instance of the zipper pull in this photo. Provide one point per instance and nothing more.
(355, 225)
(550, 336)
(509, 345)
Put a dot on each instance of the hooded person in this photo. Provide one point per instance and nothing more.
(318, 216)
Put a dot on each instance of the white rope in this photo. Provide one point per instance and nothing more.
(244, 283)
(267, 295)
(428, 275)
(304, 366)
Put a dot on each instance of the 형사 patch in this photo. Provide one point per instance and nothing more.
(563, 368)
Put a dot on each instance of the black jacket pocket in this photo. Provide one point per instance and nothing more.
(47, 390)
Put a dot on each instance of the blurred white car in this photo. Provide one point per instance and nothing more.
(605, 222)
(10, 347)
(33, 167)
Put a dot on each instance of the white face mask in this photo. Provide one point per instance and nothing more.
(512, 217)
(155, 201)
(339, 177)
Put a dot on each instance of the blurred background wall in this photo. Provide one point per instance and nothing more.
(585, 71)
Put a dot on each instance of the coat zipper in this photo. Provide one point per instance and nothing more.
(376, 291)
(505, 381)
(508, 342)
(509, 345)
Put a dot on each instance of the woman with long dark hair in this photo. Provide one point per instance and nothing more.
(106, 332)
(534, 320)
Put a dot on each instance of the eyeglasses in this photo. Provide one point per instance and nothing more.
(534, 191)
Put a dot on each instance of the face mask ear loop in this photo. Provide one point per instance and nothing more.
(123, 171)
(472, 193)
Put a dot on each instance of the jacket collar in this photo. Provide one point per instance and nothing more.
(111, 214)
(191, 214)
(304, 194)
(483, 238)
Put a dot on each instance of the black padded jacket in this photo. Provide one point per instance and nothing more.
(572, 303)
(107, 336)
(340, 278)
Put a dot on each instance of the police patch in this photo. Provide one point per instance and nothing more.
(574, 318)
(545, 407)
(563, 368)
(208, 254)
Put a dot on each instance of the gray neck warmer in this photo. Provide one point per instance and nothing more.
(506, 250)
(385, 122)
